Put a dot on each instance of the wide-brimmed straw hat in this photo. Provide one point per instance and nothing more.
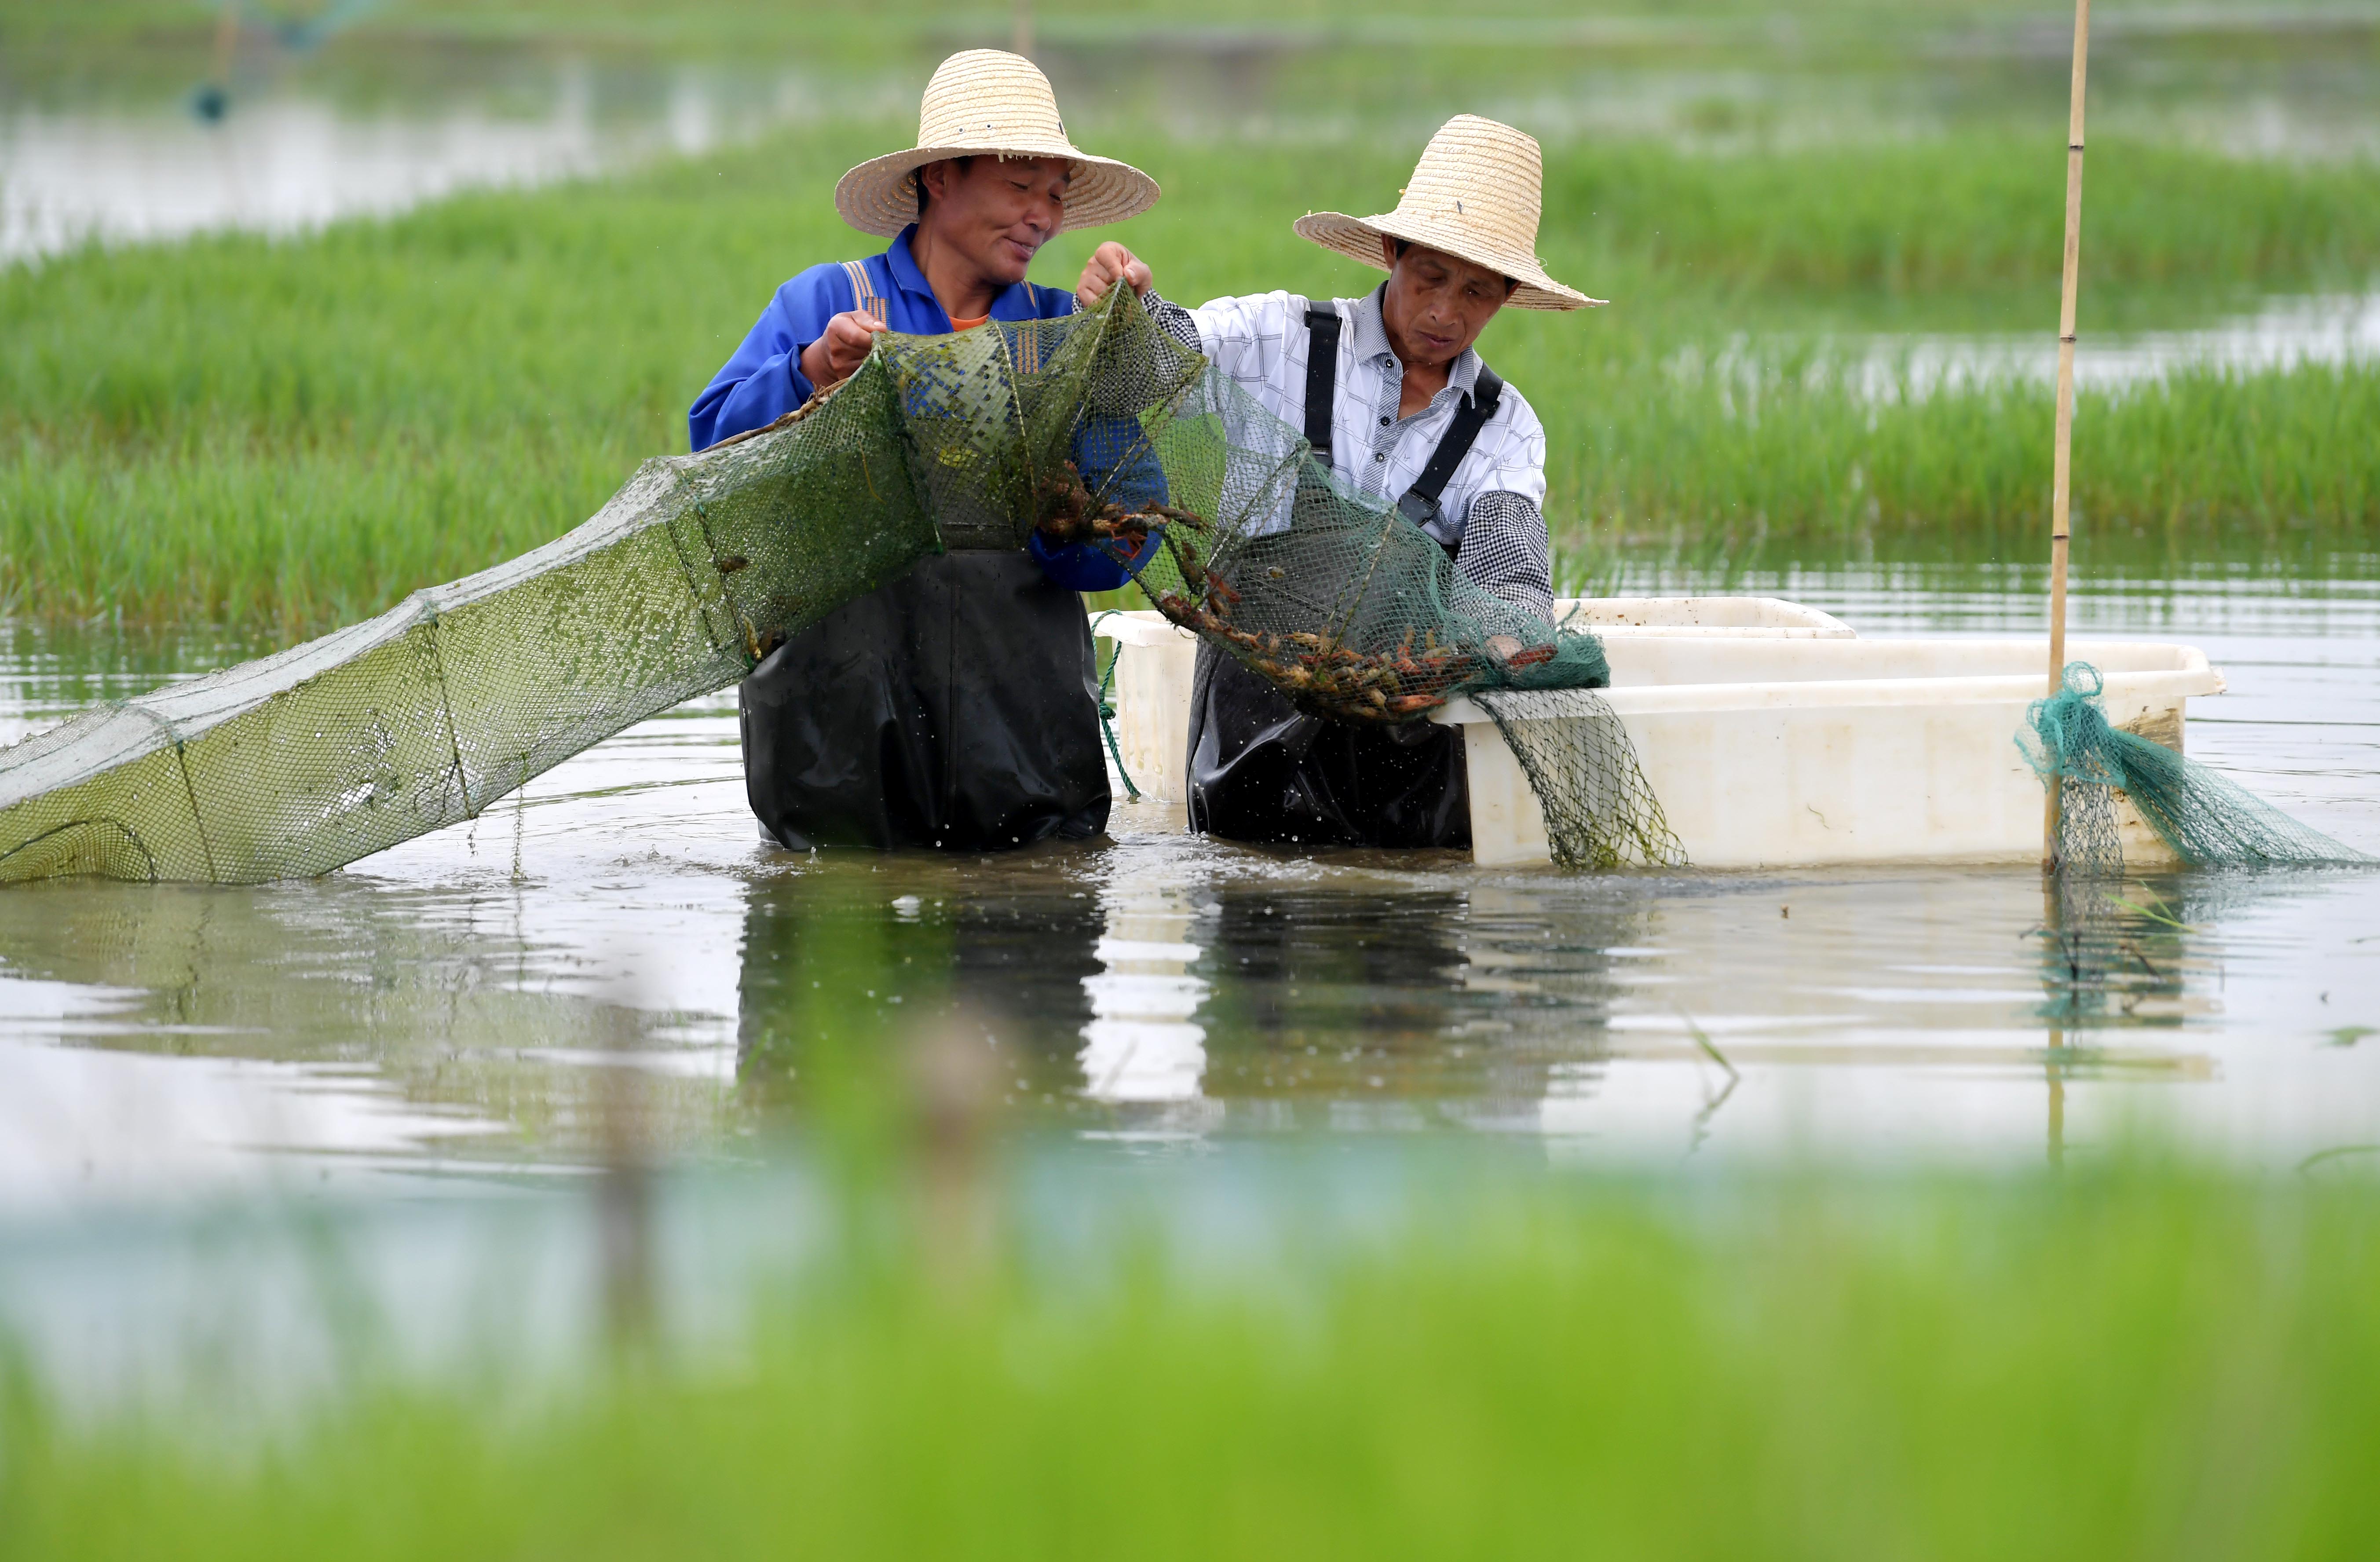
(1475, 193)
(987, 102)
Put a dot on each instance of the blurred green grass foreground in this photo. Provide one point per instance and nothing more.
(2134, 1365)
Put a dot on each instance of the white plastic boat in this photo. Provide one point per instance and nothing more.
(1771, 733)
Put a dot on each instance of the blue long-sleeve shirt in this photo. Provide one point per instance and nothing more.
(763, 379)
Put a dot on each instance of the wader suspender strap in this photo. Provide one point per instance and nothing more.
(863, 292)
(1455, 443)
(1321, 377)
(1420, 502)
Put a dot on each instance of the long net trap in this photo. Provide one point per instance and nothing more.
(1095, 427)
(303, 761)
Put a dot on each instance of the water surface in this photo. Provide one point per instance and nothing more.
(2279, 333)
(287, 158)
(463, 1004)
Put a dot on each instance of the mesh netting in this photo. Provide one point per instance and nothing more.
(309, 759)
(1600, 812)
(1097, 426)
(1352, 612)
(1331, 596)
(2207, 820)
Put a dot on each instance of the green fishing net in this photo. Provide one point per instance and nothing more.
(1356, 614)
(2206, 818)
(309, 759)
(1329, 595)
(1097, 426)
(1600, 812)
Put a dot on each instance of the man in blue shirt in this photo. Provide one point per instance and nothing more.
(957, 707)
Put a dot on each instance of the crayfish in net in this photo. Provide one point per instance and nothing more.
(1070, 513)
(1327, 676)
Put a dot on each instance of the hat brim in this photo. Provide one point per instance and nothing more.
(1358, 239)
(878, 198)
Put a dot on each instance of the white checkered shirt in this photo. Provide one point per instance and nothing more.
(1261, 342)
(1492, 509)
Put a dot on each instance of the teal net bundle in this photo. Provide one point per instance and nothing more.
(2109, 940)
(2207, 820)
(1097, 426)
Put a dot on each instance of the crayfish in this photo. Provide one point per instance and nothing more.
(1067, 513)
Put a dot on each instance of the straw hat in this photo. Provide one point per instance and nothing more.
(983, 101)
(1475, 193)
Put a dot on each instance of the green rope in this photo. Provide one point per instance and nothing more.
(1107, 706)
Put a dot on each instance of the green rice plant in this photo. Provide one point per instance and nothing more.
(2135, 1363)
(296, 432)
(287, 434)
(2267, 467)
(1978, 210)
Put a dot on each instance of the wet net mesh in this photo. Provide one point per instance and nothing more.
(1600, 812)
(2207, 820)
(309, 759)
(1095, 427)
(1352, 612)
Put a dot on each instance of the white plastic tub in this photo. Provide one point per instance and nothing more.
(1152, 675)
(1154, 663)
(1809, 752)
(1772, 735)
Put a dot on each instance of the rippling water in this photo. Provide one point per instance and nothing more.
(461, 1005)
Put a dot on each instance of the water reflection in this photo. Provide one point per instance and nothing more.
(842, 950)
(152, 1032)
(1143, 1046)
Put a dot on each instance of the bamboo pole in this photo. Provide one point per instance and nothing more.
(227, 39)
(2062, 478)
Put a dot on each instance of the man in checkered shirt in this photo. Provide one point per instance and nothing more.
(1415, 418)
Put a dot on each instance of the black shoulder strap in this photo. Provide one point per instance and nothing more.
(1455, 443)
(1322, 324)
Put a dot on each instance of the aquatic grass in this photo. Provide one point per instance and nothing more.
(1979, 210)
(287, 538)
(2267, 467)
(290, 433)
(2139, 1363)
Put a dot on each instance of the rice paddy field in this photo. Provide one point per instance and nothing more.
(294, 432)
(291, 431)
(589, 1180)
